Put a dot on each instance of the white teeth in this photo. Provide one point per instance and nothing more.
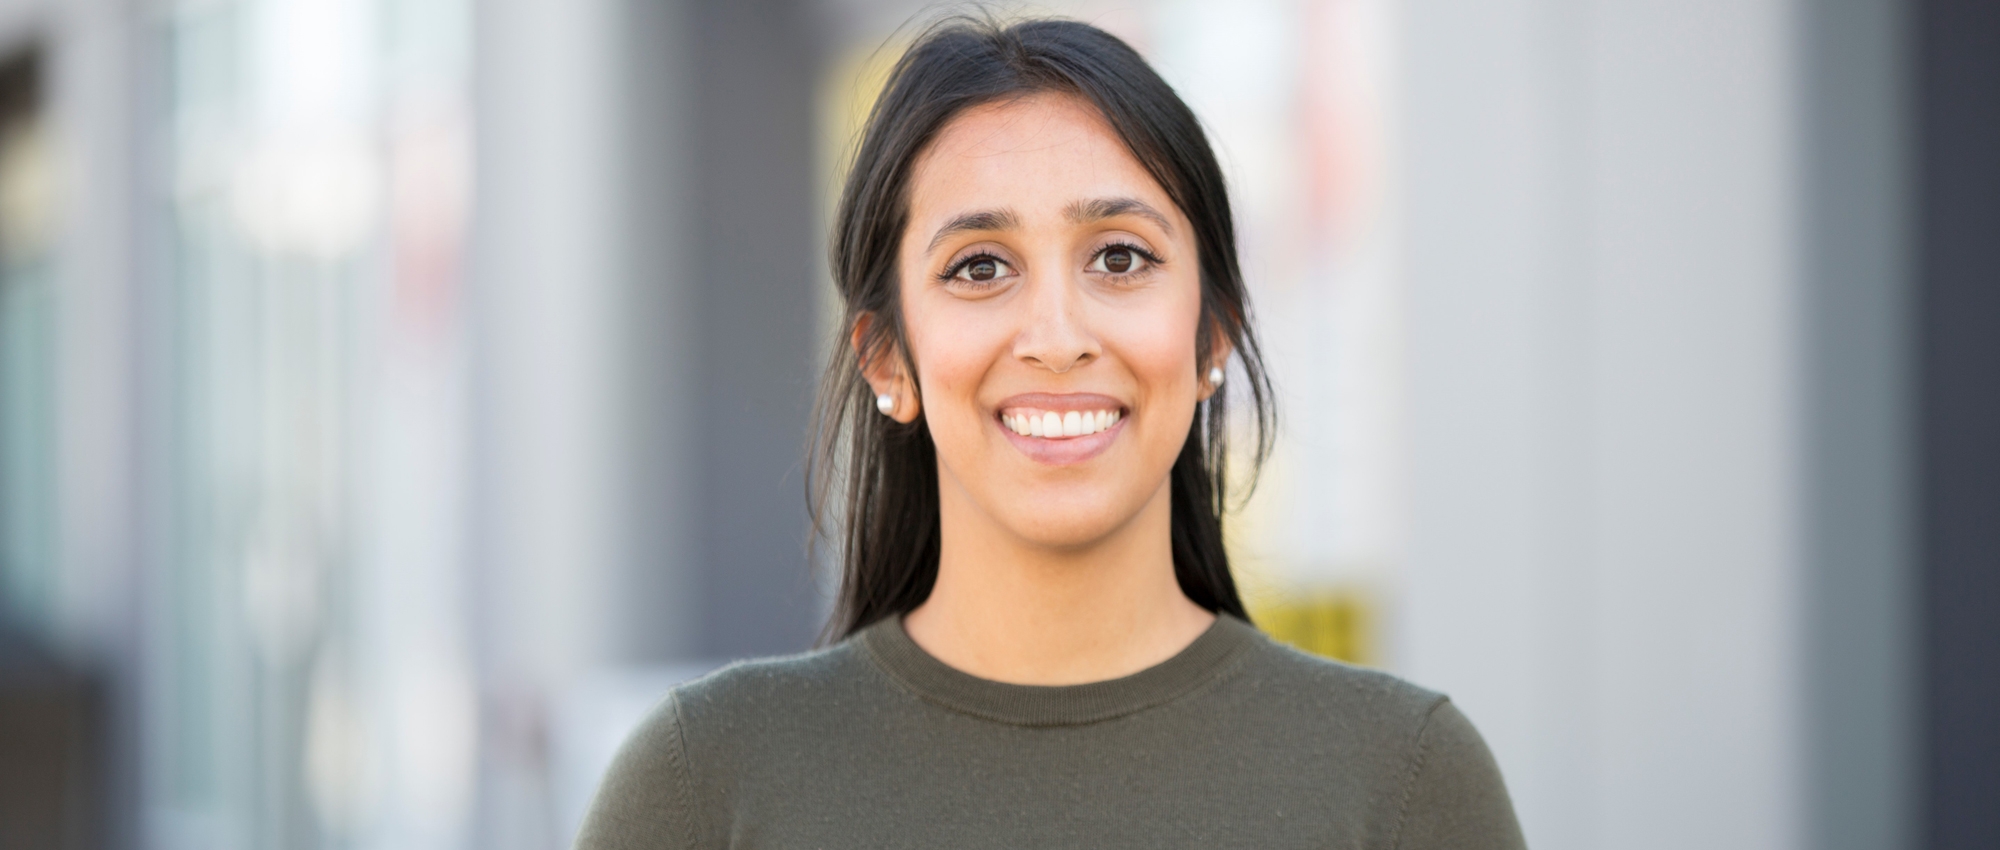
(1074, 423)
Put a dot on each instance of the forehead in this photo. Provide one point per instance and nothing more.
(1035, 155)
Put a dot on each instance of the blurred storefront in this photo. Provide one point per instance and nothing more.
(310, 671)
(397, 396)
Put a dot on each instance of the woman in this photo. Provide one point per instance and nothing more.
(1040, 642)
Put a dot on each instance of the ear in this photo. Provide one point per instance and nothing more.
(1218, 358)
(883, 369)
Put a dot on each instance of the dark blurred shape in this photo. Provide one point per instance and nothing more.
(757, 274)
(737, 382)
(51, 746)
(1959, 256)
(51, 716)
(755, 295)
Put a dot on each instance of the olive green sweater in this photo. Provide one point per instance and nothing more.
(872, 743)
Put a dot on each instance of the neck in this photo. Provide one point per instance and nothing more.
(1007, 610)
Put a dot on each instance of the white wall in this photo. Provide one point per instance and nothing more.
(1604, 229)
(546, 278)
(585, 396)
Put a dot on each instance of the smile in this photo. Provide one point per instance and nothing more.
(1049, 424)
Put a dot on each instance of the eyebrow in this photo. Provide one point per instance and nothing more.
(1086, 212)
(1080, 212)
(979, 220)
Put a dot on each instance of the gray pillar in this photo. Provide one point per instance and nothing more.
(1659, 544)
(1859, 662)
(752, 330)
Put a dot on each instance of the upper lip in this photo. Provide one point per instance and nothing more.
(1062, 402)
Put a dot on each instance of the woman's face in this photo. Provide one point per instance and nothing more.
(1051, 295)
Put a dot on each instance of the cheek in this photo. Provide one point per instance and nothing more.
(1161, 357)
(953, 353)
(1157, 342)
(950, 372)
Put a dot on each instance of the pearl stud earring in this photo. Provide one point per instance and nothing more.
(1215, 376)
(885, 403)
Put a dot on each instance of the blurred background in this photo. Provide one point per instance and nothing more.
(397, 396)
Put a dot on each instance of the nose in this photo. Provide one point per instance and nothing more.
(1055, 336)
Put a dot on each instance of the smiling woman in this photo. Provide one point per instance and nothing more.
(1070, 291)
(975, 166)
(1022, 444)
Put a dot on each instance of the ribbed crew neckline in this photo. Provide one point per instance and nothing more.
(1056, 705)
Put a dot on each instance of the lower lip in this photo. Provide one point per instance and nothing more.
(1064, 451)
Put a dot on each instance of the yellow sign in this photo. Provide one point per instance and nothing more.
(1339, 624)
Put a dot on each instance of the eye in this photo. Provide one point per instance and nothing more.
(1121, 259)
(979, 268)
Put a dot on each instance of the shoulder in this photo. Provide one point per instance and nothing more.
(1432, 779)
(646, 797)
(746, 692)
(742, 717)
(1414, 722)
(1357, 698)
(675, 768)
(1454, 796)
(1436, 782)
(768, 689)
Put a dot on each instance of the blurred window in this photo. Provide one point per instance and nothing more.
(311, 677)
(28, 577)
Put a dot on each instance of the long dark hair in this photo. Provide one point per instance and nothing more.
(874, 479)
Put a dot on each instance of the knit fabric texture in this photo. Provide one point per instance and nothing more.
(1236, 741)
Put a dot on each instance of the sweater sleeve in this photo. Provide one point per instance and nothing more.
(646, 801)
(1455, 797)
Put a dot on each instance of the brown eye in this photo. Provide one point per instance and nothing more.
(981, 269)
(1121, 260)
(1118, 260)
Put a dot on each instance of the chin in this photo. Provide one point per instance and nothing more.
(1068, 509)
(1079, 529)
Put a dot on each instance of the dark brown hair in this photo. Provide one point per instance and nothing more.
(874, 479)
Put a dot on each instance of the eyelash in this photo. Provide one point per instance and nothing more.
(1151, 259)
(953, 270)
